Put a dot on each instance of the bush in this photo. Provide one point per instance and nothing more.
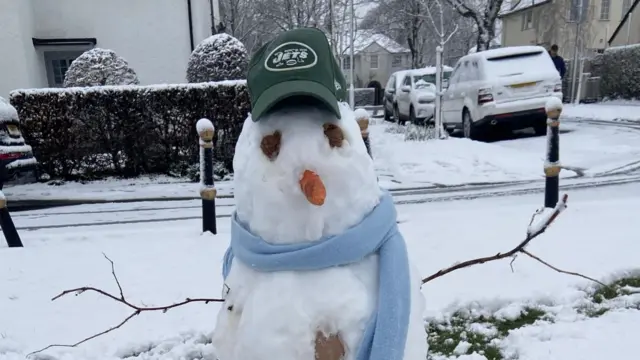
(620, 73)
(88, 133)
(364, 96)
(99, 67)
(219, 57)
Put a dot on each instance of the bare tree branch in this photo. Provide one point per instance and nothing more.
(137, 310)
(533, 231)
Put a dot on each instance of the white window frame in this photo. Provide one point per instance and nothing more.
(605, 9)
(57, 63)
(346, 63)
(371, 62)
(527, 20)
(396, 61)
(626, 5)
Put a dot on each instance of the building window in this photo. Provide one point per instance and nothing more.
(605, 6)
(373, 61)
(576, 10)
(57, 63)
(346, 63)
(396, 61)
(527, 20)
(626, 5)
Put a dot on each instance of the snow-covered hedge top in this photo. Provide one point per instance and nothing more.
(7, 112)
(156, 87)
(218, 57)
(98, 67)
(622, 48)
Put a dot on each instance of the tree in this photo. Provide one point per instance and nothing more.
(484, 14)
(99, 67)
(218, 57)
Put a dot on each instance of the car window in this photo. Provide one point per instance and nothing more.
(455, 75)
(392, 82)
(407, 80)
(465, 72)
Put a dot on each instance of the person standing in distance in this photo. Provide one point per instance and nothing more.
(558, 61)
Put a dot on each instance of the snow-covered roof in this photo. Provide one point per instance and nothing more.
(516, 6)
(7, 111)
(428, 70)
(510, 50)
(364, 38)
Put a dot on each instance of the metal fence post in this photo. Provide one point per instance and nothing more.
(207, 188)
(552, 162)
(8, 228)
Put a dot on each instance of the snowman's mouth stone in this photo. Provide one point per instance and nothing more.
(313, 188)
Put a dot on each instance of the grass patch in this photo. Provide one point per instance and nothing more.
(615, 289)
(464, 334)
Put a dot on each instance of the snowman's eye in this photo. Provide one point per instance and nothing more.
(334, 134)
(270, 145)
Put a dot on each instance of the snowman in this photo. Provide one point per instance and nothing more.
(316, 268)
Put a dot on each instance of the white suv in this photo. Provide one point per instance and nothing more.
(505, 87)
(416, 99)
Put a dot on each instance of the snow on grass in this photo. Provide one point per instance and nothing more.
(453, 161)
(169, 261)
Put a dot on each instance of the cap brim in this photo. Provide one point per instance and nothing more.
(281, 91)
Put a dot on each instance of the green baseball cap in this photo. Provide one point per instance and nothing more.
(297, 62)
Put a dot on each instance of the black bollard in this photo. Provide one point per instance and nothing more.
(207, 191)
(8, 228)
(552, 164)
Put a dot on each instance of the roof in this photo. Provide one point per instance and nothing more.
(365, 38)
(623, 22)
(522, 5)
(509, 50)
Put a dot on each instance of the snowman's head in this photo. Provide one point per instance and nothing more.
(301, 173)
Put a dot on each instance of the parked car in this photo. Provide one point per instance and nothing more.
(390, 91)
(17, 163)
(410, 94)
(505, 87)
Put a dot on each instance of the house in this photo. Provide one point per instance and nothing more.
(40, 38)
(628, 31)
(376, 57)
(567, 23)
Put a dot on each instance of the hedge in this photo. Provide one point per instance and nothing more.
(364, 96)
(88, 133)
(620, 73)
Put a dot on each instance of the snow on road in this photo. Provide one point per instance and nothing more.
(169, 261)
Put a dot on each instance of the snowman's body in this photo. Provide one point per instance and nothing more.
(277, 315)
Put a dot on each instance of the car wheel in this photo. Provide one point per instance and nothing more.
(540, 128)
(387, 116)
(396, 115)
(469, 130)
(412, 115)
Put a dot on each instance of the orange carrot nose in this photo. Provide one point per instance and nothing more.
(313, 188)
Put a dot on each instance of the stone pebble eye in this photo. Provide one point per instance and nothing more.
(334, 134)
(270, 145)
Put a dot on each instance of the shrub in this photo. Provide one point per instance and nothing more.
(99, 67)
(364, 96)
(620, 73)
(127, 131)
(219, 57)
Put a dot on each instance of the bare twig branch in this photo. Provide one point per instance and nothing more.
(533, 231)
(563, 271)
(137, 310)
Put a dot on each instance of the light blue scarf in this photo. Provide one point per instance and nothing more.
(386, 332)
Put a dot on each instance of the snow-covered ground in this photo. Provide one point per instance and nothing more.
(595, 149)
(607, 111)
(170, 261)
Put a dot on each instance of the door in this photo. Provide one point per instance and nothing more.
(448, 96)
(461, 92)
(404, 98)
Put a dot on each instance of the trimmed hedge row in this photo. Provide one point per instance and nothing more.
(88, 133)
(621, 73)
